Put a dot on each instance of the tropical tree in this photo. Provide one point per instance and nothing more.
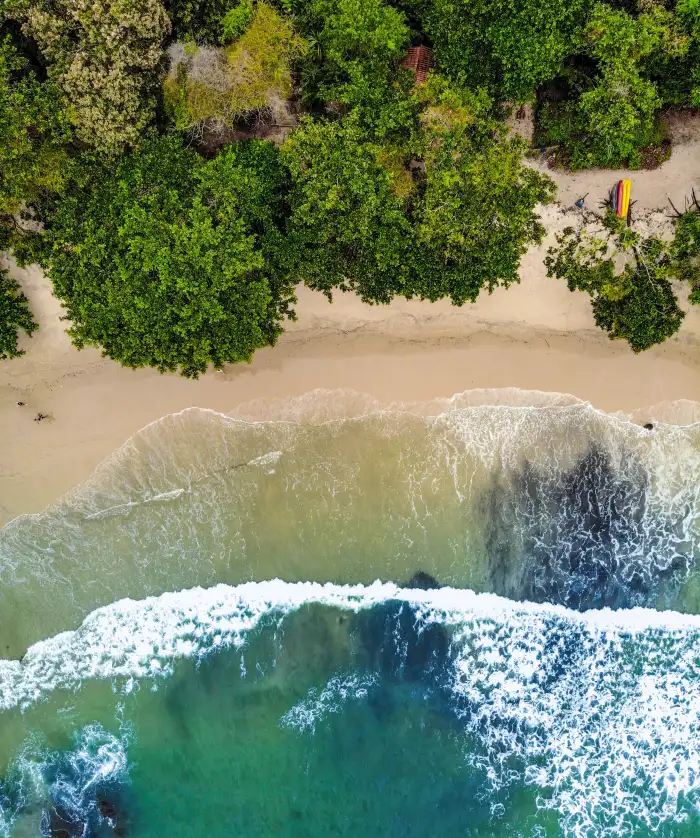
(611, 115)
(14, 315)
(212, 87)
(357, 47)
(619, 111)
(509, 48)
(444, 211)
(106, 56)
(627, 277)
(685, 251)
(197, 21)
(34, 132)
(171, 262)
(477, 214)
(347, 229)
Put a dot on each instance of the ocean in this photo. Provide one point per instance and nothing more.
(478, 616)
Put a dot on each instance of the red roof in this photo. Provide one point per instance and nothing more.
(419, 60)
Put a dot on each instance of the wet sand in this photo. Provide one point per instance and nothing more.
(536, 335)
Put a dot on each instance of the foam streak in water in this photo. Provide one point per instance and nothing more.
(600, 711)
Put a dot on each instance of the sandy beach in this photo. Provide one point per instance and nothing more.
(536, 335)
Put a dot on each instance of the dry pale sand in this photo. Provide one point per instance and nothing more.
(536, 335)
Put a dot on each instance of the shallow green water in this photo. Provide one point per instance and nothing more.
(256, 707)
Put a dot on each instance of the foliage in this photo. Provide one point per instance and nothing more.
(236, 20)
(477, 214)
(33, 134)
(356, 47)
(476, 221)
(619, 111)
(627, 277)
(260, 59)
(688, 21)
(456, 222)
(685, 251)
(608, 120)
(510, 48)
(669, 65)
(619, 115)
(198, 20)
(347, 228)
(169, 261)
(14, 315)
(106, 56)
(218, 86)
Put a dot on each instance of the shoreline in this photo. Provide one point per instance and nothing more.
(95, 405)
(533, 336)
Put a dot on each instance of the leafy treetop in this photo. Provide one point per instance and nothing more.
(14, 315)
(355, 50)
(685, 251)
(33, 132)
(162, 262)
(107, 57)
(213, 87)
(627, 277)
(510, 48)
(347, 229)
(445, 213)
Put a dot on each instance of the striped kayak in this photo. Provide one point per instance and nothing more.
(621, 198)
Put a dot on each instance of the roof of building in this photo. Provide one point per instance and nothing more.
(418, 59)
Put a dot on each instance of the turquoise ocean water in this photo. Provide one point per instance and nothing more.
(475, 617)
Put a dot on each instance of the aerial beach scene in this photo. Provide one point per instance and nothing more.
(349, 418)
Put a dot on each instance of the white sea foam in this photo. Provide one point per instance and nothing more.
(199, 497)
(601, 710)
(331, 699)
(143, 638)
(609, 731)
(134, 639)
(125, 508)
(69, 779)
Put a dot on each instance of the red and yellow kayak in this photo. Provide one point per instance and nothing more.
(621, 198)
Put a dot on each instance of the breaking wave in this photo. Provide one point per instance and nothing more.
(525, 495)
(161, 615)
(600, 712)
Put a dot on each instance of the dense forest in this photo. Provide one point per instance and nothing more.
(178, 166)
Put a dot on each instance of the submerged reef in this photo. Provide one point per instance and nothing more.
(585, 537)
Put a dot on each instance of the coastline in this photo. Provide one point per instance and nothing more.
(533, 336)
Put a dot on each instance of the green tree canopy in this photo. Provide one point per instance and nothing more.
(685, 251)
(14, 315)
(213, 87)
(107, 57)
(199, 21)
(477, 213)
(347, 229)
(171, 262)
(356, 48)
(34, 131)
(612, 112)
(510, 48)
(619, 112)
(445, 213)
(627, 277)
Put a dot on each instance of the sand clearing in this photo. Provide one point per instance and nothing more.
(536, 335)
